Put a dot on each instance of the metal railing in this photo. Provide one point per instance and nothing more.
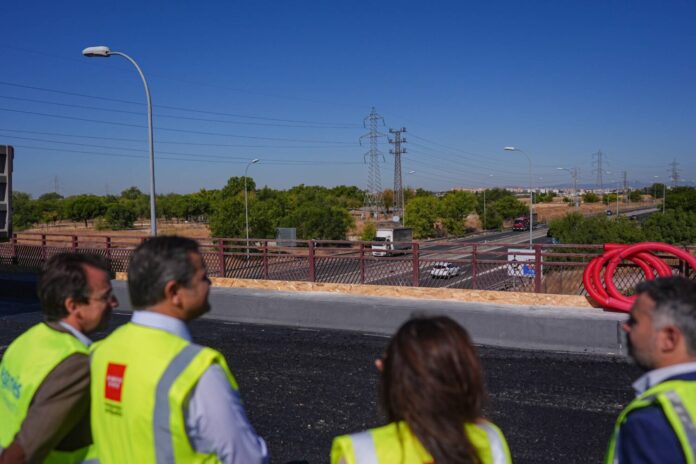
(546, 268)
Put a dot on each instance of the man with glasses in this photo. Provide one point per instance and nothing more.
(659, 426)
(44, 374)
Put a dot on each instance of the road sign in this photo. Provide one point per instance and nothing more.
(521, 262)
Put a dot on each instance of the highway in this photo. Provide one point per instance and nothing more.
(301, 387)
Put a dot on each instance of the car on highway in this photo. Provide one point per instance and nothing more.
(444, 271)
(609, 212)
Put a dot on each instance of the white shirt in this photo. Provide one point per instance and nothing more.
(79, 335)
(655, 376)
(215, 418)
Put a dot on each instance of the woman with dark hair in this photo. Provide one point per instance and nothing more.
(432, 393)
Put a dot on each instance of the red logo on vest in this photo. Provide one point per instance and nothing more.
(114, 381)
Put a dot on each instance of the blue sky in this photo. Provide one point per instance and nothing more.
(290, 83)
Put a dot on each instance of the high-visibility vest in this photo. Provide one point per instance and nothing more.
(395, 443)
(677, 400)
(24, 367)
(141, 378)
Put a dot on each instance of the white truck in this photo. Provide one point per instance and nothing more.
(392, 241)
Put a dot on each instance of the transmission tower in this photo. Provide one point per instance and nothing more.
(599, 169)
(374, 178)
(675, 173)
(398, 185)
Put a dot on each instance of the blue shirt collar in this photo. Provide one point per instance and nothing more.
(79, 335)
(155, 320)
(652, 378)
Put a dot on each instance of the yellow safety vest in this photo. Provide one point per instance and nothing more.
(141, 378)
(396, 444)
(24, 367)
(677, 399)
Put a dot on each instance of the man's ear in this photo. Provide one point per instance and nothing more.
(171, 291)
(670, 339)
(70, 305)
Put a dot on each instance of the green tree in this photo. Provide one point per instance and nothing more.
(84, 207)
(576, 229)
(422, 214)
(49, 206)
(635, 196)
(454, 208)
(590, 197)
(120, 216)
(369, 231)
(388, 199)
(25, 211)
(681, 197)
(235, 186)
(677, 227)
(227, 218)
(508, 207)
(319, 221)
(132, 193)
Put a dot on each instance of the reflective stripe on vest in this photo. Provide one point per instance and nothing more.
(396, 443)
(684, 417)
(164, 448)
(677, 401)
(496, 442)
(364, 448)
(141, 379)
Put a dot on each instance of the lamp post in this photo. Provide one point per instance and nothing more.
(574, 173)
(105, 52)
(664, 193)
(246, 202)
(531, 197)
(403, 206)
(484, 207)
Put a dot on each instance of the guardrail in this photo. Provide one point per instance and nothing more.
(546, 268)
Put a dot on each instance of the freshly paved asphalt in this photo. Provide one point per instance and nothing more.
(303, 387)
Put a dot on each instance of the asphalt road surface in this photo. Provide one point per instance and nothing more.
(303, 387)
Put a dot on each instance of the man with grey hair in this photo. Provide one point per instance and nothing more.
(658, 426)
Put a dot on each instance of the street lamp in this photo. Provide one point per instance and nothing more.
(484, 207)
(403, 206)
(574, 173)
(531, 197)
(246, 202)
(664, 193)
(105, 52)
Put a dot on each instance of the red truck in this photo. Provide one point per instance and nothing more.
(522, 222)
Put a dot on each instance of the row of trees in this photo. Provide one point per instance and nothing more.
(317, 212)
(431, 216)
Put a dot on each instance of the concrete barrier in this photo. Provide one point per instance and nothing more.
(566, 329)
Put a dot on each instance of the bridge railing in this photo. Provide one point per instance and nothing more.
(546, 268)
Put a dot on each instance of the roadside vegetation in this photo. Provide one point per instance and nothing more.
(331, 213)
(677, 226)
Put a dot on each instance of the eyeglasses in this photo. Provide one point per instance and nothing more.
(108, 297)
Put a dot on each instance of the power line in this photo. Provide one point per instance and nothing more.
(186, 118)
(165, 142)
(115, 123)
(178, 108)
(218, 159)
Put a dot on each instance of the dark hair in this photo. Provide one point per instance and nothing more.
(154, 263)
(64, 277)
(675, 303)
(432, 379)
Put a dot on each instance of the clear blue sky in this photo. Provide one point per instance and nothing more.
(290, 83)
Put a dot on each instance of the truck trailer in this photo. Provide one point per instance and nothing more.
(392, 241)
